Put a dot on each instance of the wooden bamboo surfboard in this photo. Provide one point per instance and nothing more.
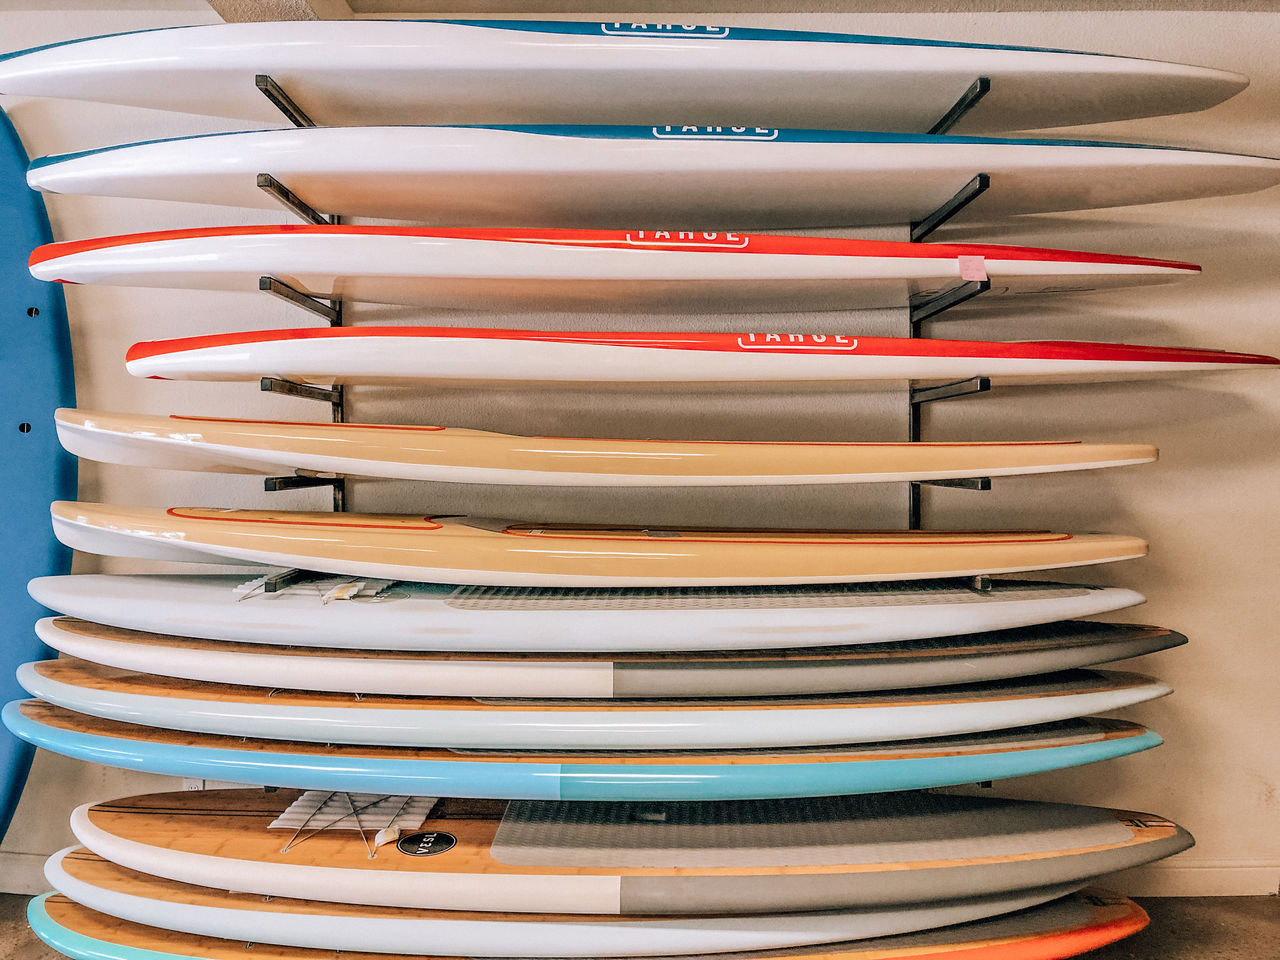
(498, 552)
(450, 454)
(516, 723)
(35, 378)
(1065, 927)
(635, 775)
(378, 614)
(659, 858)
(417, 354)
(880, 666)
(497, 71)
(701, 178)
(119, 892)
(502, 553)
(633, 270)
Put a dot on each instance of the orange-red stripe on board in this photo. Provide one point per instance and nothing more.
(722, 241)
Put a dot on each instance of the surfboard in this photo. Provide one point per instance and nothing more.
(35, 378)
(363, 614)
(865, 667)
(497, 71)
(615, 858)
(1065, 927)
(369, 355)
(503, 553)
(634, 270)
(96, 883)
(594, 775)
(451, 454)
(516, 723)
(700, 178)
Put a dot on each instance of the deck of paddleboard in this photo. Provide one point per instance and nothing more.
(865, 667)
(581, 775)
(611, 858)
(581, 724)
(212, 444)
(701, 178)
(497, 71)
(416, 354)
(502, 553)
(1080, 921)
(341, 612)
(36, 378)
(636, 270)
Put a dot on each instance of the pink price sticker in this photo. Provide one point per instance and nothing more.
(973, 268)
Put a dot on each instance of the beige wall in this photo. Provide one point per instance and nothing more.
(1207, 506)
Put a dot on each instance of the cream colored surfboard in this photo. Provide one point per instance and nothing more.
(220, 445)
(656, 858)
(884, 666)
(363, 928)
(581, 724)
(500, 552)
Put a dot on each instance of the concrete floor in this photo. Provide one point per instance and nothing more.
(1191, 928)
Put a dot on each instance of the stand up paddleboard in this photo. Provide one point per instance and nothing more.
(699, 178)
(35, 379)
(660, 858)
(641, 270)
(363, 614)
(1065, 927)
(123, 893)
(365, 355)
(876, 666)
(219, 445)
(498, 71)
(502, 553)
(608, 724)
(580, 775)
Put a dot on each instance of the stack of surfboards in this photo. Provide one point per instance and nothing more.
(483, 737)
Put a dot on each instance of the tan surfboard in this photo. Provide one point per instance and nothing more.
(146, 918)
(504, 553)
(579, 775)
(611, 858)
(450, 454)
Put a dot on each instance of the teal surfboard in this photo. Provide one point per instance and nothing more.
(35, 379)
(580, 775)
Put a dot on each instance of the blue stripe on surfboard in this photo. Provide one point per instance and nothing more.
(553, 781)
(35, 379)
(749, 134)
(596, 28)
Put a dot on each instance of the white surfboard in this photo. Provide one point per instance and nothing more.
(657, 858)
(362, 355)
(212, 444)
(364, 614)
(924, 663)
(522, 724)
(503, 553)
(699, 178)
(634, 270)
(363, 928)
(500, 71)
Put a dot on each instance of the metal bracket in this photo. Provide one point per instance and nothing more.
(919, 397)
(923, 310)
(330, 312)
(968, 100)
(307, 391)
(288, 198)
(970, 192)
(948, 391)
(964, 483)
(287, 578)
(298, 117)
(298, 481)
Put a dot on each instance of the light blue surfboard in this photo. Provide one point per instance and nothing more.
(586, 775)
(35, 379)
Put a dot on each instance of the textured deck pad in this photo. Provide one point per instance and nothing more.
(875, 829)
